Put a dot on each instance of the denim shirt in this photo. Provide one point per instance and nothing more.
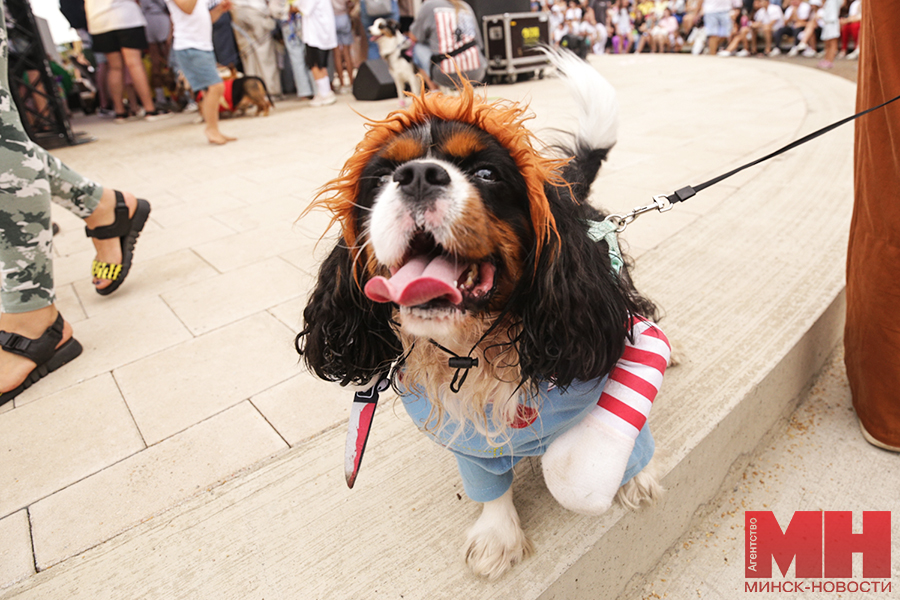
(487, 469)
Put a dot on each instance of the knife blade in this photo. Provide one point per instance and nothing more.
(361, 415)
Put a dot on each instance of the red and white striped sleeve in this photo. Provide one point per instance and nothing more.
(634, 380)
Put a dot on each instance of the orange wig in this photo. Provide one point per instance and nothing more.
(502, 119)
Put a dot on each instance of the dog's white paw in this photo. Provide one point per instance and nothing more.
(583, 468)
(643, 488)
(496, 541)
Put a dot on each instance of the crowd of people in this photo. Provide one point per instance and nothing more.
(720, 27)
(153, 56)
(190, 45)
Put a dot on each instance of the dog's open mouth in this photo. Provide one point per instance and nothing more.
(430, 278)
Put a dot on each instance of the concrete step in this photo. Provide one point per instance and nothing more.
(750, 276)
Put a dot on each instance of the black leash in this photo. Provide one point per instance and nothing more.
(664, 202)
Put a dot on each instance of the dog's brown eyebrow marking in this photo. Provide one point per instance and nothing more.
(403, 148)
(462, 144)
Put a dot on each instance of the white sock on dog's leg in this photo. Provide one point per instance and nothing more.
(583, 468)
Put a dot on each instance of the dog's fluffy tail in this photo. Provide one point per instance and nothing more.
(598, 118)
(598, 109)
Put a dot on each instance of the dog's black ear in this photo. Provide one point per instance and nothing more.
(575, 311)
(346, 337)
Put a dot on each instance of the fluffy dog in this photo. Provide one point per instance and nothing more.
(468, 261)
(391, 45)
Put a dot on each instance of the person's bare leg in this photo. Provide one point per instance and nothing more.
(713, 44)
(831, 49)
(319, 72)
(132, 59)
(209, 108)
(115, 80)
(14, 368)
(347, 62)
(102, 82)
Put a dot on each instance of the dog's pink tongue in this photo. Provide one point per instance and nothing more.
(419, 281)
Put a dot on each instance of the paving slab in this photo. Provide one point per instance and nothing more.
(172, 390)
(750, 276)
(16, 560)
(219, 301)
(50, 444)
(99, 507)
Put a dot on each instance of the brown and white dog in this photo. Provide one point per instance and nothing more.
(241, 93)
(391, 45)
(460, 237)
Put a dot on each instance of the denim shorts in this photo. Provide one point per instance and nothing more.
(344, 30)
(199, 67)
(718, 24)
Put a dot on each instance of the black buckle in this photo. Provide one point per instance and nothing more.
(13, 342)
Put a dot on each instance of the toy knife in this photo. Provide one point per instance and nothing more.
(361, 414)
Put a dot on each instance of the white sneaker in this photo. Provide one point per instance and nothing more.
(743, 53)
(775, 52)
(323, 100)
(810, 53)
(723, 53)
(853, 55)
(802, 46)
(793, 51)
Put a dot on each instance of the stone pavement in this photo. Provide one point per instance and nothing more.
(188, 412)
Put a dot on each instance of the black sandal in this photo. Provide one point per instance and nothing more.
(43, 352)
(127, 229)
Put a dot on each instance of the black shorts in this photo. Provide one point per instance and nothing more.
(316, 57)
(114, 41)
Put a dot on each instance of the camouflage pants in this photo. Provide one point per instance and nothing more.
(29, 179)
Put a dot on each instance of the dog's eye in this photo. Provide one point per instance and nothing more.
(485, 174)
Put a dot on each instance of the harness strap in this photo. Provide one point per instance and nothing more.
(606, 231)
(439, 58)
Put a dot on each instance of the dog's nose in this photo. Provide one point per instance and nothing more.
(421, 179)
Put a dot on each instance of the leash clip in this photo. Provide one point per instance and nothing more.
(661, 203)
